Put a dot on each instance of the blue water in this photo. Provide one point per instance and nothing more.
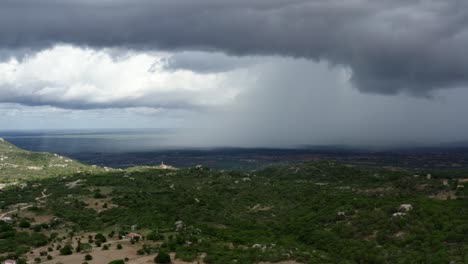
(88, 141)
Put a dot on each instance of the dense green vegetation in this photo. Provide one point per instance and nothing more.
(319, 212)
(312, 213)
(18, 242)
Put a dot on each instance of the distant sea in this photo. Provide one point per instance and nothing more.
(114, 148)
(79, 141)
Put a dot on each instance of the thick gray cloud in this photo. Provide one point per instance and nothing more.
(299, 102)
(392, 46)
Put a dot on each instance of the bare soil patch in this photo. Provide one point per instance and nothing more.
(445, 195)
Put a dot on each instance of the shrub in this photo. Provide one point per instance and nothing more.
(162, 258)
(24, 224)
(66, 250)
(118, 261)
(99, 195)
(100, 238)
(37, 228)
(155, 236)
(86, 247)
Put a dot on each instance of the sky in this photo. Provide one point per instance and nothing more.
(264, 73)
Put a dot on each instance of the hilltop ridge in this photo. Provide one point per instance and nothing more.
(7, 146)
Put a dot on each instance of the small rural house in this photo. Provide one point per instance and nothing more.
(9, 261)
(133, 236)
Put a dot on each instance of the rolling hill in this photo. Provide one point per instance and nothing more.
(17, 164)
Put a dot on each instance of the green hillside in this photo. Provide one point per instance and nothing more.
(16, 164)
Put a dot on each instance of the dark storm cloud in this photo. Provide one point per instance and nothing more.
(331, 113)
(392, 46)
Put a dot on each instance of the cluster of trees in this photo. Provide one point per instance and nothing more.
(18, 243)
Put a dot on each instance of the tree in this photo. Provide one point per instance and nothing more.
(100, 238)
(66, 250)
(24, 224)
(162, 258)
(99, 195)
(119, 246)
(88, 257)
(85, 247)
(155, 236)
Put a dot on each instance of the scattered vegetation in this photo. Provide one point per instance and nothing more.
(319, 212)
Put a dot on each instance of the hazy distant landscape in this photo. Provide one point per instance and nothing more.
(127, 148)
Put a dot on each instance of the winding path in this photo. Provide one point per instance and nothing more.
(38, 199)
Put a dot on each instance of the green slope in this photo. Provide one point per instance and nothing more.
(16, 163)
